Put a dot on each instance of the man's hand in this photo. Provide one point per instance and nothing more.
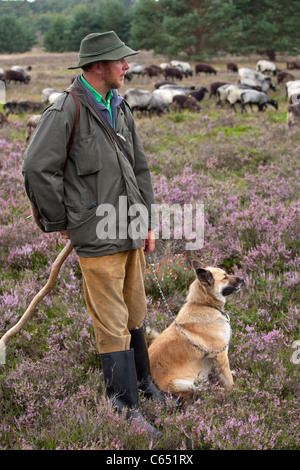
(149, 243)
(65, 234)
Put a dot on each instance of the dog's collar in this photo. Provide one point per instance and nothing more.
(221, 311)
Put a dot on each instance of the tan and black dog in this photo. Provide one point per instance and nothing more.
(198, 338)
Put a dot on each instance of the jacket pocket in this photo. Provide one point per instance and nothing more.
(87, 153)
(78, 219)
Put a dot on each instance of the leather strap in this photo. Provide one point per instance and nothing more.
(76, 120)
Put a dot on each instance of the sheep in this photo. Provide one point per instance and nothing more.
(233, 94)
(292, 87)
(255, 79)
(168, 93)
(258, 98)
(185, 67)
(157, 105)
(136, 69)
(176, 86)
(293, 114)
(221, 93)
(145, 101)
(214, 87)
(14, 107)
(164, 65)
(283, 77)
(232, 67)
(23, 70)
(31, 124)
(128, 76)
(53, 96)
(185, 102)
(16, 76)
(152, 71)
(265, 66)
(46, 92)
(205, 68)
(293, 64)
(172, 72)
(199, 94)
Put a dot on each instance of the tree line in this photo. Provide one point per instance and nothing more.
(193, 29)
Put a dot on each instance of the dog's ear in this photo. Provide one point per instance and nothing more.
(197, 264)
(205, 277)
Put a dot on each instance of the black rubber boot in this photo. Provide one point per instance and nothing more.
(145, 383)
(121, 385)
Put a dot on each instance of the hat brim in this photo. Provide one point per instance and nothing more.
(117, 54)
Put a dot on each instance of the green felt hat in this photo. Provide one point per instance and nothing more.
(96, 47)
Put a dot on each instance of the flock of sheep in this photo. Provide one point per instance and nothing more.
(251, 89)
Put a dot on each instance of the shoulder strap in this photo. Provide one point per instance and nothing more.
(109, 129)
(75, 124)
(76, 120)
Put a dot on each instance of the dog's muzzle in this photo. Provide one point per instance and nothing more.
(233, 286)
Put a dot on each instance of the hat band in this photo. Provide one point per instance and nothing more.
(103, 51)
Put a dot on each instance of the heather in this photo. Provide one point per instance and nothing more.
(245, 170)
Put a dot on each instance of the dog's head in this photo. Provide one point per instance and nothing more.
(216, 281)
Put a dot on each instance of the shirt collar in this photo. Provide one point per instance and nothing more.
(97, 95)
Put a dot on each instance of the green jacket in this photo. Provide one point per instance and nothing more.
(74, 191)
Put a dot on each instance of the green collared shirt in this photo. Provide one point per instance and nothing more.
(99, 97)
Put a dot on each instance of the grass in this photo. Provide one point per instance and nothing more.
(244, 168)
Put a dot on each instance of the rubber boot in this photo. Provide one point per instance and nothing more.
(121, 385)
(142, 364)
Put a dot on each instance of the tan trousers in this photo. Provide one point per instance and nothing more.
(115, 297)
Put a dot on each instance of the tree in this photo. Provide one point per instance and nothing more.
(146, 30)
(15, 35)
(55, 39)
(113, 16)
(194, 27)
(199, 28)
(269, 26)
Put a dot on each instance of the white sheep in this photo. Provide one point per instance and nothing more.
(167, 94)
(233, 94)
(46, 92)
(53, 97)
(258, 98)
(31, 125)
(293, 115)
(292, 89)
(265, 66)
(164, 65)
(184, 66)
(145, 101)
(222, 93)
(255, 79)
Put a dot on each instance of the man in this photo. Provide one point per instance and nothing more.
(72, 190)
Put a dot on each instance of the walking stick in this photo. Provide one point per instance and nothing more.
(55, 268)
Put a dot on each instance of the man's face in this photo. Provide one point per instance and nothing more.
(114, 72)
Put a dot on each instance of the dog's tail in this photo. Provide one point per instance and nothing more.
(151, 334)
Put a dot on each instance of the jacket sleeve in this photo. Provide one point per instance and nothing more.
(44, 162)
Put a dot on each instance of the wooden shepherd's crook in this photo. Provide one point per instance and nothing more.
(55, 268)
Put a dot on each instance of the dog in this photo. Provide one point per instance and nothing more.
(199, 337)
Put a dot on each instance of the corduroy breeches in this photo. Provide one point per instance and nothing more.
(115, 297)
